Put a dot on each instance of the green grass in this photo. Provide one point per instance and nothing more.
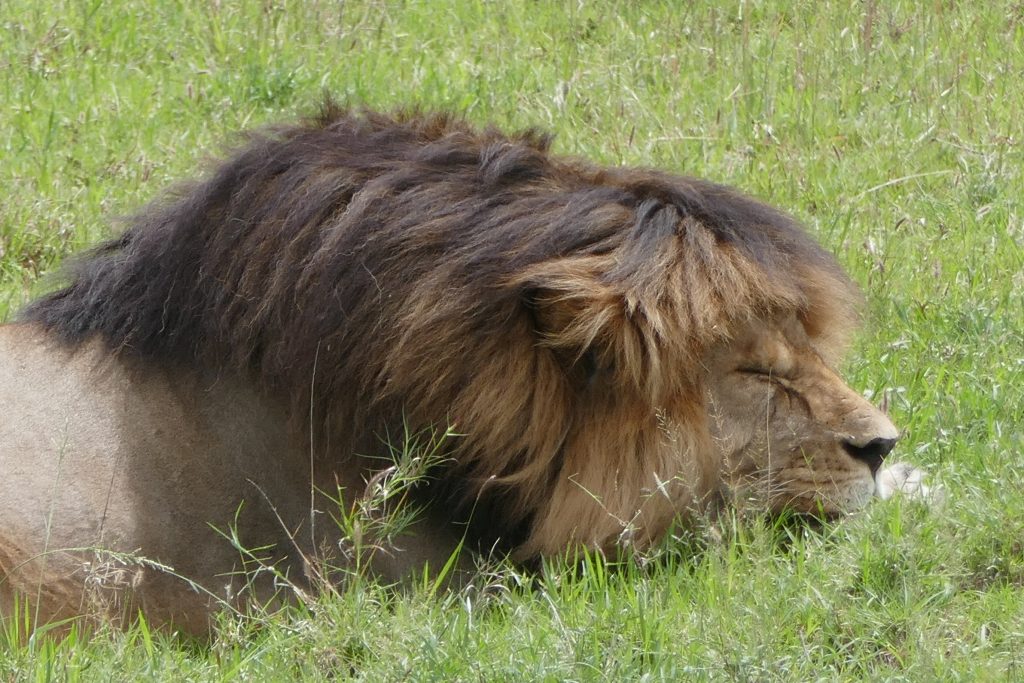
(893, 130)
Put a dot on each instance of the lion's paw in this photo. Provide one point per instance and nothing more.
(906, 480)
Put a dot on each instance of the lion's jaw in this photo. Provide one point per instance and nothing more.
(790, 433)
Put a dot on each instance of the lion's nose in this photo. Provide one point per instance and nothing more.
(872, 452)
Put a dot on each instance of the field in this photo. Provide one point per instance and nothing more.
(890, 129)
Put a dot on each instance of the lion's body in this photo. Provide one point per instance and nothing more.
(116, 463)
(338, 284)
(100, 458)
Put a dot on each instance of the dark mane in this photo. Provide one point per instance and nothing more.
(398, 254)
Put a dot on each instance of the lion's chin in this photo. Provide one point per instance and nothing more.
(826, 503)
(898, 479)
(822, 502)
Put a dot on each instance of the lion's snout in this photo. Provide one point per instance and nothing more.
(871, 453)
(870, 436)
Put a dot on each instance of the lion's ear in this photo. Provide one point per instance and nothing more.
(552, 313)
(574, 318)
(593, 330)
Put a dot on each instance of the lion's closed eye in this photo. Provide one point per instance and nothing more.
(763, 373)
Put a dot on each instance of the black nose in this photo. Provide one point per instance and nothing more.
(872, 453)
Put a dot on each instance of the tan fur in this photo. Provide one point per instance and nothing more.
(123, 482)
(782, 429)
(617, 347)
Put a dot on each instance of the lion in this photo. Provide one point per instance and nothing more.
(618, 349)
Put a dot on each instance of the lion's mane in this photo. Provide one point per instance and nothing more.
(396, 271)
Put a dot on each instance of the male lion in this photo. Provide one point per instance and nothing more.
(616, 347)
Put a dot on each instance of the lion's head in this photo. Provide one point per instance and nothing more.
(791, 433)
(618, 347)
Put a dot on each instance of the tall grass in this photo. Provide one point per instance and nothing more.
(893, 130)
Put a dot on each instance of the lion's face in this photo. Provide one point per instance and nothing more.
(791, 433)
